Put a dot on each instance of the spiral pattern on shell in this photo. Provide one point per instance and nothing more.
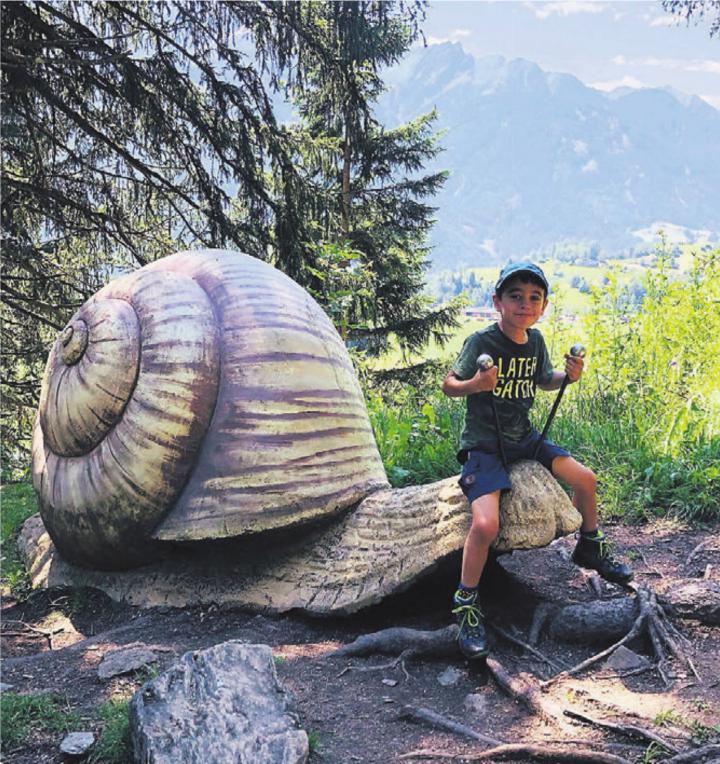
(204, 396)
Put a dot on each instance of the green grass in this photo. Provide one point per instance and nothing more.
(23, 715)
(114, 745)
(17, 503)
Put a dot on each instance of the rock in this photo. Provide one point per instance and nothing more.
(125, 660)
(624, 659)
(693, 598)
(390, 682)
(77, 743)
(475, 703)
(450, 676)
(4, 686)
(222, 704)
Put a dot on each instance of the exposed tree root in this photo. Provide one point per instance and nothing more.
(652, 621)
(410, 643)
(557, 754)
(708, 753)
(427, 716)
(629, 730)
(525, 690)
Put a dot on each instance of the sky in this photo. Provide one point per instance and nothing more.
(634, 43)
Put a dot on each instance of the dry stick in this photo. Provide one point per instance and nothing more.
(624, 729)
(521, 690)
(694, 756)
(697, 549)
(520, 643)
(427, 716)
(653, 571)
(520, 750)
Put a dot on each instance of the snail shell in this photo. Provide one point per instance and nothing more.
(204, 396)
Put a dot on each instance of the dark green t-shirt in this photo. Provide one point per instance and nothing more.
(520, 369)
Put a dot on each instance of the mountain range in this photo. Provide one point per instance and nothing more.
(542, 164)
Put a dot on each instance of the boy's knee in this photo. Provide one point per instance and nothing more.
(485, 529)
(587, 480)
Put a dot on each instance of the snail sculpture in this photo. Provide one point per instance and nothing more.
(207, 396)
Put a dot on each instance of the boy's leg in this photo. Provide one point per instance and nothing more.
(483, 530)
(592, 550)
(584, 486)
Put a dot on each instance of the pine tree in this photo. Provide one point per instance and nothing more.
(371, 192)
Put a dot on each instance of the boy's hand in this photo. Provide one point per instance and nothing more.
(573, 367)
(484, 381)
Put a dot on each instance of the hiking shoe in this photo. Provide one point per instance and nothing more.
(596, 553)
(471, 638)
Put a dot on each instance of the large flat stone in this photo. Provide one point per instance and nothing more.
(214, 706)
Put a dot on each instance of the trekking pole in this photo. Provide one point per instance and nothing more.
(485, 362)
(577, 351)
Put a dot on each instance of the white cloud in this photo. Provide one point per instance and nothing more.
(591, 166)
(626, 82)
(664, 21)
(580, 147)
(454, 36)
(619, 60)
(566, 8)
(489, 246)
(686, 64)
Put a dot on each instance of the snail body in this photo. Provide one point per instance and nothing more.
(203, 396)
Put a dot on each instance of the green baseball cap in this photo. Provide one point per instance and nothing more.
(513, 269)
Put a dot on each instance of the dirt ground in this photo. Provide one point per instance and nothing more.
(352, 708)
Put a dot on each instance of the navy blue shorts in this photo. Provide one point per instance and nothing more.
(483, 471)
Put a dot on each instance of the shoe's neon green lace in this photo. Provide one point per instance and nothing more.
(471, 616)
(605, 548)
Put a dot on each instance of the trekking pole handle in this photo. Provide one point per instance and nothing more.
(577, 351)
(484, 362)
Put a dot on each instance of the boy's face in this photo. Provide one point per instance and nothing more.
(521, 304)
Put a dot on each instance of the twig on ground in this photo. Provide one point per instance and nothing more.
(696, 551)
(629, 730)
(650, 570)
(520, 750)
(515, 640)
(525, 690)
(427, 716)
(695, 756)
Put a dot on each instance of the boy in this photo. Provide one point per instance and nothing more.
(521, 365)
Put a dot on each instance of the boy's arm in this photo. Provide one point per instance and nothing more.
(482, 382)
(573, 369)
